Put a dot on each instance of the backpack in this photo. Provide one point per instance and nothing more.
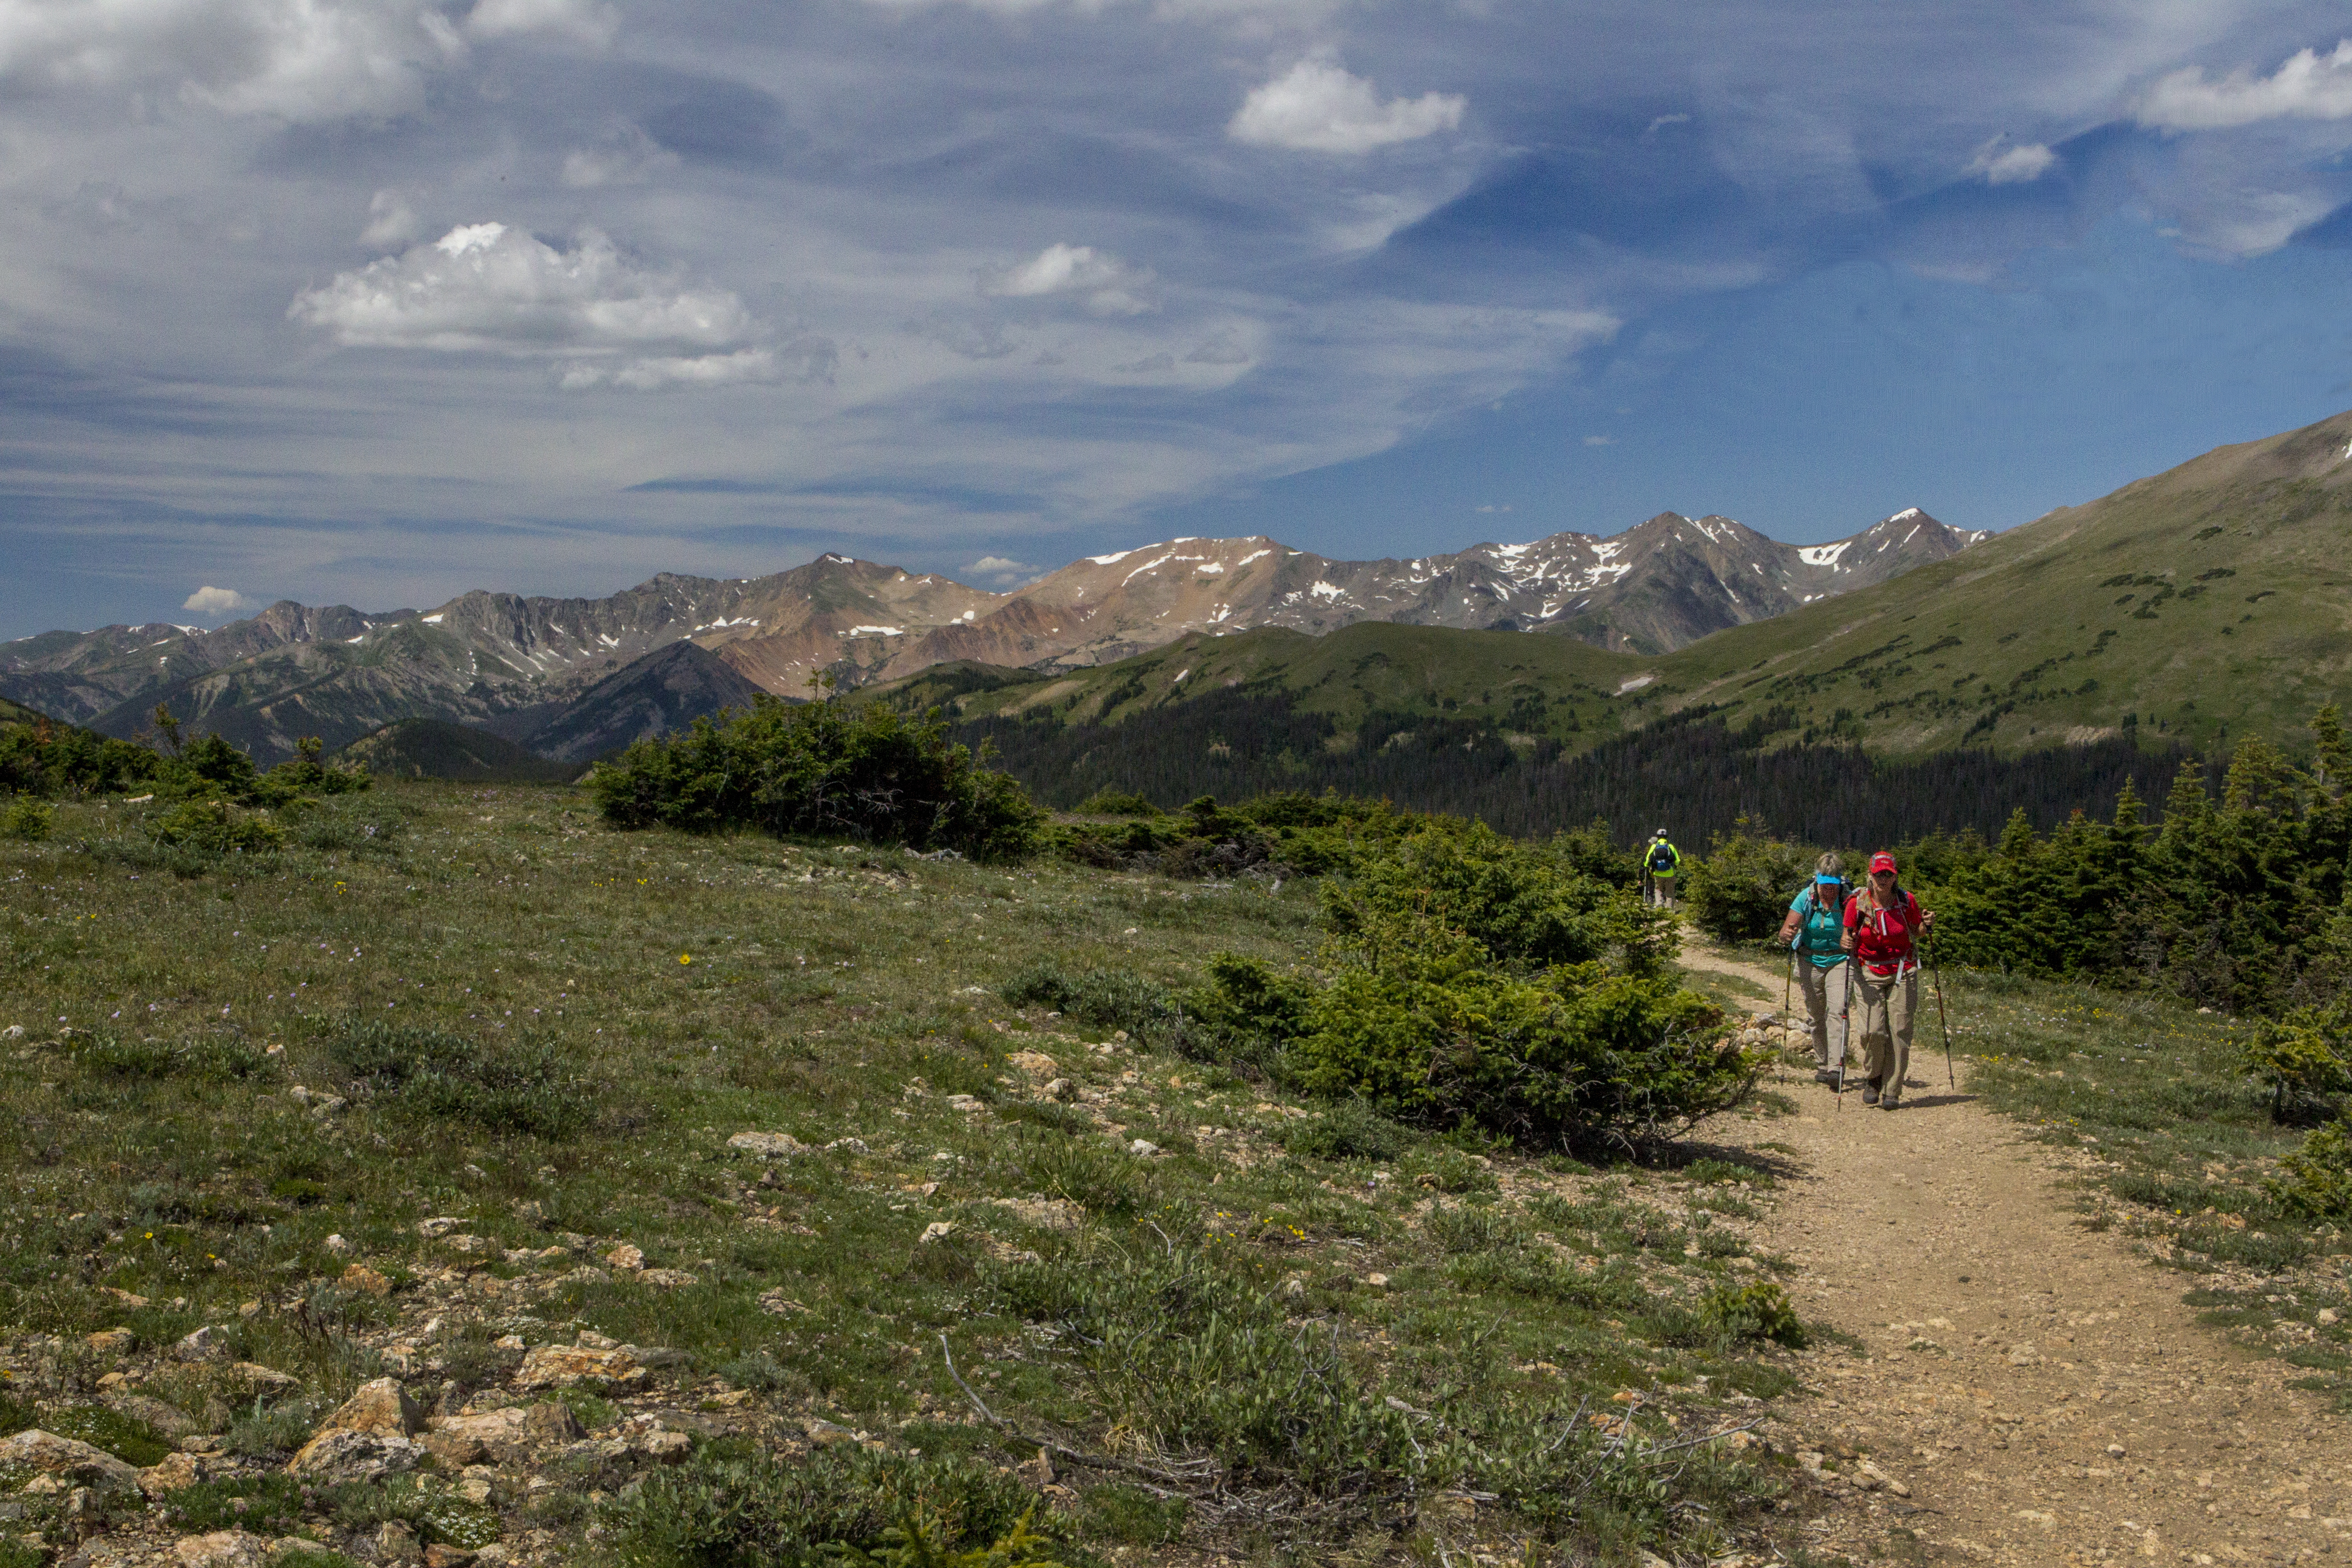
(1662, 857)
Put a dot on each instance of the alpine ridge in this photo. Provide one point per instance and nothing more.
(517, 665)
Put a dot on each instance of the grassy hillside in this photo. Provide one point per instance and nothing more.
(448, 1091)
(2208, 602)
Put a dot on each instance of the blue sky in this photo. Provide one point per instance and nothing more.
(376, 301)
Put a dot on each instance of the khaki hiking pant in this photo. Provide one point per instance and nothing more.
(1824, 992)
(1662, 892)
(1887, 1009)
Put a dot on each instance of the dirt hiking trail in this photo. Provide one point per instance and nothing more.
(2042, 1395)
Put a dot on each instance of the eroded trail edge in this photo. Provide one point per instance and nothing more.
(2041, 1394)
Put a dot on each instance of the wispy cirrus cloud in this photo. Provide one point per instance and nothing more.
(2001, 162)
(1107, 285)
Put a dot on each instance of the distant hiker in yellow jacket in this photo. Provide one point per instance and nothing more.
(1661, 862)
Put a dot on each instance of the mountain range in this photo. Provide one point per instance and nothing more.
(573, 678)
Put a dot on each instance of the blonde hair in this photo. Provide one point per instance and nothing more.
(1830, 865)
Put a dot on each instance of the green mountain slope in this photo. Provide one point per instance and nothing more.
(2208, 602)
(2203, 605)
(436, 749)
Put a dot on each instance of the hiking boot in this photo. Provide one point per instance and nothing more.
(1870, 1091)
(1888, 1101)
(1825, 1074)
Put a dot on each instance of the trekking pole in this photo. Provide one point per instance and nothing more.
(1845, 1025)
(1787, 983)
(1936, 970)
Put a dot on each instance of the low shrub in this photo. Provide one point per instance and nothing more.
(1106, 1182)
(1347, 1129)
(1106, 998)
(518, 1086)
(733, 1504)
(265, 1505)
(2315, 1179)
(1117, 803)
(1757, 1311)
(25, 819)
(2301, 1059)
(212, 1058)
(820, 768)
(1742, 888)
(214, 827)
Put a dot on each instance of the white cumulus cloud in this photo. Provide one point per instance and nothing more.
(296, 59)
(1001, 570)
(1109, 286)
(2001, 163)
(486, 287)
(1317, 107)
(211, 601)
(2309, 86)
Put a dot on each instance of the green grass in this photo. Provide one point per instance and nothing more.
(547, 1032)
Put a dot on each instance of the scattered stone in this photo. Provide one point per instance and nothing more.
(171, 1473)
(855, 1145)
(208, 1344)
(66, 1460)
(567, 1367)
(1144, 1147)
(965, 1103)
(168, 1419)
(668, 1279)
(777, 1302)
(625, 1256)
(508, 1436)
(466, 1242)
(2326, 1316)
(937, 1231)
(1376, 1282)
(223, 1548)
(1037, 1472)
(125, 1297)
(768, 1145)
(249, 1309)
(13, 1032)
(583, 1276)
(396, 1543)
(667, 1448)
(2024, 1355)
(441, 1554)
(824, 1434)
(113, 1341)
(434, 1228)
(367, 1281)
(1037, 1064)
(1046, 1213)
(1063, 1089)
(2115, 1450)
(368, 1435)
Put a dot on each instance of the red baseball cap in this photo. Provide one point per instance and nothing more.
(1881, 861)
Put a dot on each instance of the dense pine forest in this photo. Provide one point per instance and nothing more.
(1691, 772)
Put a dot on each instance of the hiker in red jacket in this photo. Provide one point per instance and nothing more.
(1881, 923)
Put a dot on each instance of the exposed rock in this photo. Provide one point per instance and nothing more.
(168, 1419)
(253, 1374)
(585, 1275)
(1063, 1089)
(965, 1102)
(2024, 1355)
(508, 1436)
(171, 1473)
(368, 1435)
(1376, 1282)
(668, 1277)
(367, 1281)
(439, 1227)
(779, 1303)
(223, 1548)
(564, 1366)
(855, 1145)
(625, 1256)
(1046, 1213)
(1144, 1147)
(768, 1145)
(338, 1245)
(824, 1433)
(125, 1297)
(441, 1554)
(667, 1448)
(467, 1242)
(208, 1344)
(1036, 1064)
(113, 1341)
(937, 1231)
(396, 1543)
(65, 1459)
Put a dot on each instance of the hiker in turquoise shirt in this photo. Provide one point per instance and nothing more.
(1815, 928)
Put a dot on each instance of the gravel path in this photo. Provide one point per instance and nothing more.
(2042, 1396)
